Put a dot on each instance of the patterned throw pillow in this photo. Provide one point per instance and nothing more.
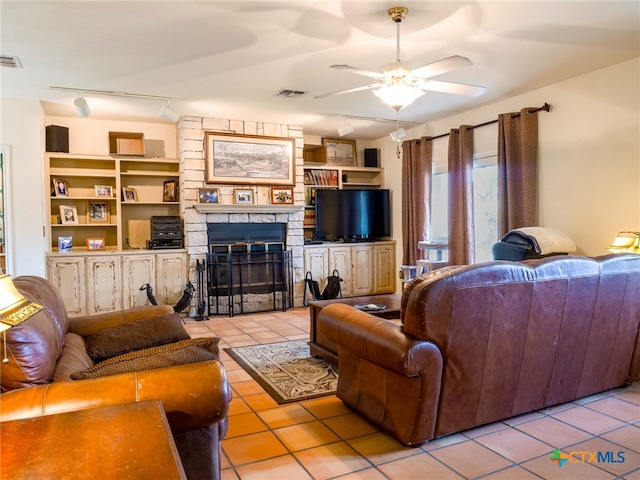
(186, 351)
(128, 337)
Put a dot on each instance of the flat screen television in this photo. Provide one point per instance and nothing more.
(352, 215)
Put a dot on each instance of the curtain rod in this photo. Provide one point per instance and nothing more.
(546, 107)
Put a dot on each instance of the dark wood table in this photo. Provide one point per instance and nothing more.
(321, 346)
(131, 441)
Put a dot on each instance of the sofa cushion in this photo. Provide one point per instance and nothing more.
(128, 337)
(179, 353)
(74, 357)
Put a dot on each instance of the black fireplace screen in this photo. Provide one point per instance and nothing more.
(243, 273)
(248, 267)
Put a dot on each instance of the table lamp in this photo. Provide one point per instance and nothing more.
(626, 242)
(14, 309)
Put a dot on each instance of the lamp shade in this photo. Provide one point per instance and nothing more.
(626, 242)
(14, 308)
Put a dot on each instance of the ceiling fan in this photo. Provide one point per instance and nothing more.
(398, 85)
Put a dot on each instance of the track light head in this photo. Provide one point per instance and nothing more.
(345, 129)
(168, 114)
(82, 107)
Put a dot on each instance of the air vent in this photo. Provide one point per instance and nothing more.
(9, 61)
(289, 93)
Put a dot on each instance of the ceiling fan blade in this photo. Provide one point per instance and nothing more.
(454, 88)
(358, 71)
(351, 90)
(442, 66)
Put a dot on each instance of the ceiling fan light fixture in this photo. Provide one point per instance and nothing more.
(398, 94)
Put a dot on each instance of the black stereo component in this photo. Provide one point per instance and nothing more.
(166, 232)
(164, 244)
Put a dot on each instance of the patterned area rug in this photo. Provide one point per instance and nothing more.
(287, 371)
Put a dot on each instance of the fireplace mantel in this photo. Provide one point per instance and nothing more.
(217, 208)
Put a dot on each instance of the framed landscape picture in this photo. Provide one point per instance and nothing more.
(340, 152)
(249, 159)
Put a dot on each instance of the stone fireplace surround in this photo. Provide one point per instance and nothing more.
(191, 148)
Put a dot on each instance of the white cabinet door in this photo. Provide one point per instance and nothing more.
(316, 262)
(104, 293)
(365, 268)
(171, 277)
(362, 270)
(384, 267)
(340, 260)
(137, 270)
(68, 275)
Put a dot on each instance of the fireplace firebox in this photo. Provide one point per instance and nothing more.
(248, 268)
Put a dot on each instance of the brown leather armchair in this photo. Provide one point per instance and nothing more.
(47, 348)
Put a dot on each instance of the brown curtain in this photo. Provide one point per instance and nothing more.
(517, 170)
(460, 166)
(417, 157)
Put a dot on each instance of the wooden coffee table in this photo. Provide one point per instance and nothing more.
(321, 346)
(131, 441)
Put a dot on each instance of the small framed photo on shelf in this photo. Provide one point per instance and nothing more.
(60, 188)
(243, 196)
(208, 195)
(96, 244)
(68, 215)
(104, 191)
(170, 191)
(98, 212)
(129, 195)
(282, 195)
(65, 244)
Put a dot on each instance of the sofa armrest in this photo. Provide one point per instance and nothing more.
(88, 324)
(193, 395)
(379, 341)
(389, 377)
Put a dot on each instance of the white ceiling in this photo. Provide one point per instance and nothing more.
(228, 59)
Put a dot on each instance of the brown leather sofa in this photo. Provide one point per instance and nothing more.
(195, 396)
(485, 342)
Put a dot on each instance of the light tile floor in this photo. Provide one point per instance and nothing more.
(323, 439)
